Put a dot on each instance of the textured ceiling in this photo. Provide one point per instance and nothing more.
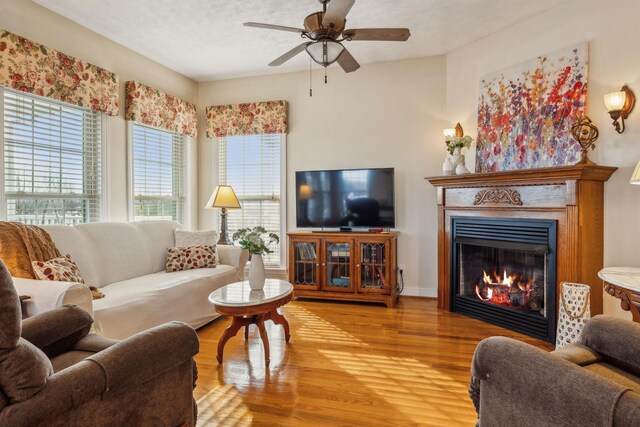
(205, 39)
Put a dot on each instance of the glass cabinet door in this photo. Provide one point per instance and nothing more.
(306, 264)
(337, 266)
(372, 267)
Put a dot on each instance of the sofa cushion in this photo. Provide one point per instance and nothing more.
(616, 375)
(577, 353)
(137, 304)
(615, 340)
(184, 238)
(68, 359)
(24, 370)
(61, 269)
(111, 252)
(190, 258)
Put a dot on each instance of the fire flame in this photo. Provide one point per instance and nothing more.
(497, 280)
(497, 288)
(489, 294)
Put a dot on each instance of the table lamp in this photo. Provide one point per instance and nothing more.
(223, 198)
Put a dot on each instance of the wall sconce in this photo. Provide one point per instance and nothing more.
(450, 133)
(619, 105)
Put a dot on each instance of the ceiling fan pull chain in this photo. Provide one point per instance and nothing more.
(325, 75)
(310, 79)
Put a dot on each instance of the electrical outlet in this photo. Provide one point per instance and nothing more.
(401, 268)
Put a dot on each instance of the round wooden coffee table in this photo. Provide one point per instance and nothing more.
(249, 307)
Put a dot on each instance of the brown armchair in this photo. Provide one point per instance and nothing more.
(53, 372)
(594, 382)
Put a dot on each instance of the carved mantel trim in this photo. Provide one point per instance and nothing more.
(498, 195)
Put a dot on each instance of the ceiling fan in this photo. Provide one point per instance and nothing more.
(326, 32)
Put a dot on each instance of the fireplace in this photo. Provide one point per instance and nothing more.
(520, 222)
(503, 271)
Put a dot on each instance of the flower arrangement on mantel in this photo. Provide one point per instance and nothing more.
(461, 142)
(252, 240)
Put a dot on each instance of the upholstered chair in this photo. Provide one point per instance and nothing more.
(593, 382)
(53, 372)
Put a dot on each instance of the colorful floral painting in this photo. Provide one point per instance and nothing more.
(151, 107)
(31, 67)
(525, 113)
(254, 118)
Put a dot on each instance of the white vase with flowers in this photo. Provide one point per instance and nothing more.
(252, 240)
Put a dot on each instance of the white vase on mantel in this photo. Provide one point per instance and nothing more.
(461, 169)
(447, 167)
(456, 158)
(256, 272)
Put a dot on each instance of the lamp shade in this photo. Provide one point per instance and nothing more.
(635, 178)
(223, 196)
(615, 101)
(325, 52)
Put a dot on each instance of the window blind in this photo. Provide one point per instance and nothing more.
(52, 161)
(252, 165)
(159, 174)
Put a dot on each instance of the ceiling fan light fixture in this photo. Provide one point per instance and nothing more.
(325, 52)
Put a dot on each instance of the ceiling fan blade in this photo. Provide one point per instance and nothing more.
(378, 34)
(287, 56)
(273, 27)
(337, 11)
(348, 62)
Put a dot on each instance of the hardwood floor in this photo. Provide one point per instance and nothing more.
(347, 364)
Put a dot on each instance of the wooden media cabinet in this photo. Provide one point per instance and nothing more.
(344, 266)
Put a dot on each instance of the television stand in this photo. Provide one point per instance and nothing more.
(356, 266)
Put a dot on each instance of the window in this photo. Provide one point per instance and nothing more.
(52, 161)
(253, 165)
(158, 174)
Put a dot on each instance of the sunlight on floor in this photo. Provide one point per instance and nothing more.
(223, 406)
(314, 328)
(406, 384)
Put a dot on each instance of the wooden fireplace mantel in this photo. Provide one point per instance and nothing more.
(571, 195)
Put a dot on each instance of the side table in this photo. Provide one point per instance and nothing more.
(248, 307)
(623, 283)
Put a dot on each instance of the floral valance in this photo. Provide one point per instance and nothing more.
(31, 67)
(254, 118)
(151, 107)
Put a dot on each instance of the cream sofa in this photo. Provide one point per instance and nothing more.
(127, 262)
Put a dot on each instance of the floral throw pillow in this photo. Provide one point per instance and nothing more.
(61, 269)
(179, 259)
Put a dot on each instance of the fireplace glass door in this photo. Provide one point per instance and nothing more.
(503, 271)
(511, 278)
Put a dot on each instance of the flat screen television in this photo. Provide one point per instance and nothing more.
(345, 198)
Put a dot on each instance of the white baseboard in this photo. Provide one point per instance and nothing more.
(420, 292)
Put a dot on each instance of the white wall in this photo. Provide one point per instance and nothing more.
(27, 19)
(389, 114)
(611, 28)
(384, 115)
